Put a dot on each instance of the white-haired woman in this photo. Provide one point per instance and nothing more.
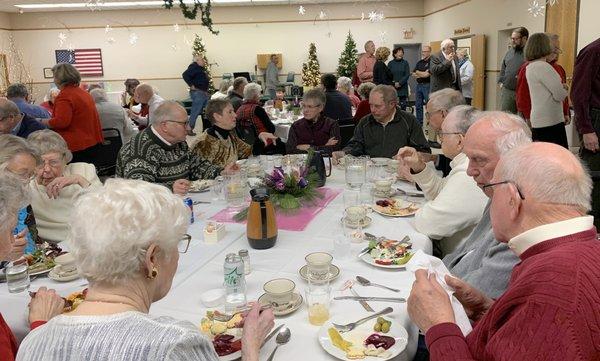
(46, 304)
(20, 159)
(56, 184)
(130, 265)
(112, 115)
(344, 85)
(253, 119)
(223, 90)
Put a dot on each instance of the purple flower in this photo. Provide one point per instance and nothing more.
(280, 185)
(302, 183)
(303, 171)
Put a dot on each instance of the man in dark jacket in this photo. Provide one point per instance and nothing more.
(12, 121)
(196, 78)
(444, 69)
(386, 129)
(337, 105)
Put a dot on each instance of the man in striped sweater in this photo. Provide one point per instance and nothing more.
(550, 308)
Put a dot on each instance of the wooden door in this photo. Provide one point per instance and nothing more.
(562, 19)
(478, 60)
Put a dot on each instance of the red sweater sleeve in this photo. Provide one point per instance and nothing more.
(36, 324)
(586, 67)
(63, 113)
(523, 96)
(8, 343)
(445, 341)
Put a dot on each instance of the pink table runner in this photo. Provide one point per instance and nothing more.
(297, 221)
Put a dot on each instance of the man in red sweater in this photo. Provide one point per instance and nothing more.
(550, 309)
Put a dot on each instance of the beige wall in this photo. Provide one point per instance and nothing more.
(589, 26)
(161, 54)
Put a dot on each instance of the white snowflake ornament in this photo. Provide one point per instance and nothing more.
(322, 15)
(133, 38)
(176, 28)
(301, 10)
(536, 8)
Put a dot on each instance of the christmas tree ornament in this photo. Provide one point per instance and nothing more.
(536, 8)
(347, 62)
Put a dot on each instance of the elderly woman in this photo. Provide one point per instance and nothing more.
(46, 304)
(381, 73)
(223, 90)
(19, 158)
(130, 265)
(75, 117)
(48, 103)
(364, 108)
(252, 120)
(112, 115)
(57, 184)
(454, 203)
(314, 130)
(344, 85)
(401, 72)
(547, 92)
(219, 144)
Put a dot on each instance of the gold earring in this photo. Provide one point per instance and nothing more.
(153, 274)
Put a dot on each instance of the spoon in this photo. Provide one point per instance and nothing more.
(365, 282)
(283, 336)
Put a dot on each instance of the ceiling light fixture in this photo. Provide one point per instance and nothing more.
(121, 4)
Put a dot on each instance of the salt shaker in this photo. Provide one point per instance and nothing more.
(243, 253)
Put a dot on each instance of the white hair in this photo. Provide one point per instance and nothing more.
(344, 83)
(47, 141)
(11, 145)
(112, 226)
(445, 99)
(99, 95)
(13, 196)
(515, 130)
(53, 92)
(446, 42)
(547, 179)
(461, 117)
(166, 111)
(252, 91)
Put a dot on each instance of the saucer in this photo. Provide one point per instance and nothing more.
(334, 272)
(286, 310)
(60, 278)
(365, 222)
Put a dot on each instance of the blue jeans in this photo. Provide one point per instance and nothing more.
(421, 98)
(199, 99)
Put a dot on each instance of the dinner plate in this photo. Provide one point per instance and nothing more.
(334, 273)
(200, 186)
(377, 209)
(364, 223)
(360, 333)
(368, 259)
(232, 356)
(41, 272)
(53, 274)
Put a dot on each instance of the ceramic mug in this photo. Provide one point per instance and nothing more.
(319, 264)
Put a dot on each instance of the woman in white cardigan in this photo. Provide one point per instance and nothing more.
(547, 93)
(454, 203)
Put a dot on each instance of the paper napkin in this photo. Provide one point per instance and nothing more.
(435, 266)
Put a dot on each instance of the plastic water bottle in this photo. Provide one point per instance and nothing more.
(234, 282)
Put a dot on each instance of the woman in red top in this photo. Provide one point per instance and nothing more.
(46, 304)
(75, 116)
(364, 108)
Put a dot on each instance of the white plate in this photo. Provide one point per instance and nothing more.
(359, 334)
(232, 356)
(57, 277)
(368, 259)
(296, 303)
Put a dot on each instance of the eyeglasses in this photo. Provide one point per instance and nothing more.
(440, 135)
(490, 185)
(517, 38)
(179, 122)
(52, 163)
(309, 106)
(19, 117)
(184, 243)
(430, 114)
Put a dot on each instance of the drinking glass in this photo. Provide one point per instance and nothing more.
(352, 230)
(17, 277)
(217, 189)
(356, 168)
(351, 198)
(366, 196)
(342, 247)
(235, 190)
(317, 300)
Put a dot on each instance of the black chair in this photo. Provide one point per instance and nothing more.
(106, 158)
(289, 82)
(346, 130)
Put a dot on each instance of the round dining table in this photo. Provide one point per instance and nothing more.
(201, 269)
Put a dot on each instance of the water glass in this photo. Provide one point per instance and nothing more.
(318, 299)
(342, 247)
(17, 277)
(235, 190)
(366, 196)
(217, 189)
(356, 169)
(351, 198)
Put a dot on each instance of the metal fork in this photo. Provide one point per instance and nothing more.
(352, 325)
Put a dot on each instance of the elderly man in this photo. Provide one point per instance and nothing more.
(364, 68)
(12, 121)
(454, 203)
(196, 78)
(550, 309)
(236, 97)
(438, 106)
(112, 115)
(510, 68)
(338, 105)
(144, 94)
(387, 129)
(480, 259)
(444, 68)
(160, 154)
(18, 94)
(423, 78)
(272, 76)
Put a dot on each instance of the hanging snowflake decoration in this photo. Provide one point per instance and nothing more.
(110, 40)
(176, 28)
(71, 48)
(536, 8)
(94, 4)
(133, 38)
(376, 17)
(62, 37)
(382, 37)
(329, 34)
(322, 15)
(174, 47)
(362, 16)
(301, 10)
(108, 29)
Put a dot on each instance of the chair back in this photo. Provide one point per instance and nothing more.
(290, 77)
(106, 157)
(347, 127)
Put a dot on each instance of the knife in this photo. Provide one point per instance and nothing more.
(382, 299)
(411, 194)
(367, 249)
(362, 303)
(271, 334)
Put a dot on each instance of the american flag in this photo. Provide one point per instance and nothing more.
(87, 61)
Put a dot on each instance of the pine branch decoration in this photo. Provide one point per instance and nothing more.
(191, 12)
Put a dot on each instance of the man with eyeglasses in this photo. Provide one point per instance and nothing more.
(510, 67)
(12, 121)
(160, 154)
(550, 308)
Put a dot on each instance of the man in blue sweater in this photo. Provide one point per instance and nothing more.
(196, 78)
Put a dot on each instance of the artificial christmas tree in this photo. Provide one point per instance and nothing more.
(311, 75)
(198, 48)
(347, 62)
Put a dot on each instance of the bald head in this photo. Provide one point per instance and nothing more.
(7, 108)
(168, 110)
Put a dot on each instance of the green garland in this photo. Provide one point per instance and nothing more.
(191, 12)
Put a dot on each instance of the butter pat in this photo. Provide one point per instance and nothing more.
(214, 232)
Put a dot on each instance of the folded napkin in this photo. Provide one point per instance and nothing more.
(435, 266)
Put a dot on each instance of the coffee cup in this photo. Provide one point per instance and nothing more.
(383, 185)
(66, 262)
(280, 291)
(393, 165)
(356, 214)
(319, 264)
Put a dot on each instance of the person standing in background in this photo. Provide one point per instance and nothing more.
(272, 77)
(401, 72)
(510, 66)
(466, 74)
(381, 73)
(585, 94)
(444, 68)
(422, 75)
(196, 78)
(364, 68)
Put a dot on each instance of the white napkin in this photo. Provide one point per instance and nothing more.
(434, 265)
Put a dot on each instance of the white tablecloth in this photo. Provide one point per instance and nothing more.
(201, 269)
(282, 128)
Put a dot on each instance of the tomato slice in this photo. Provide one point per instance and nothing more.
(384, 262)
